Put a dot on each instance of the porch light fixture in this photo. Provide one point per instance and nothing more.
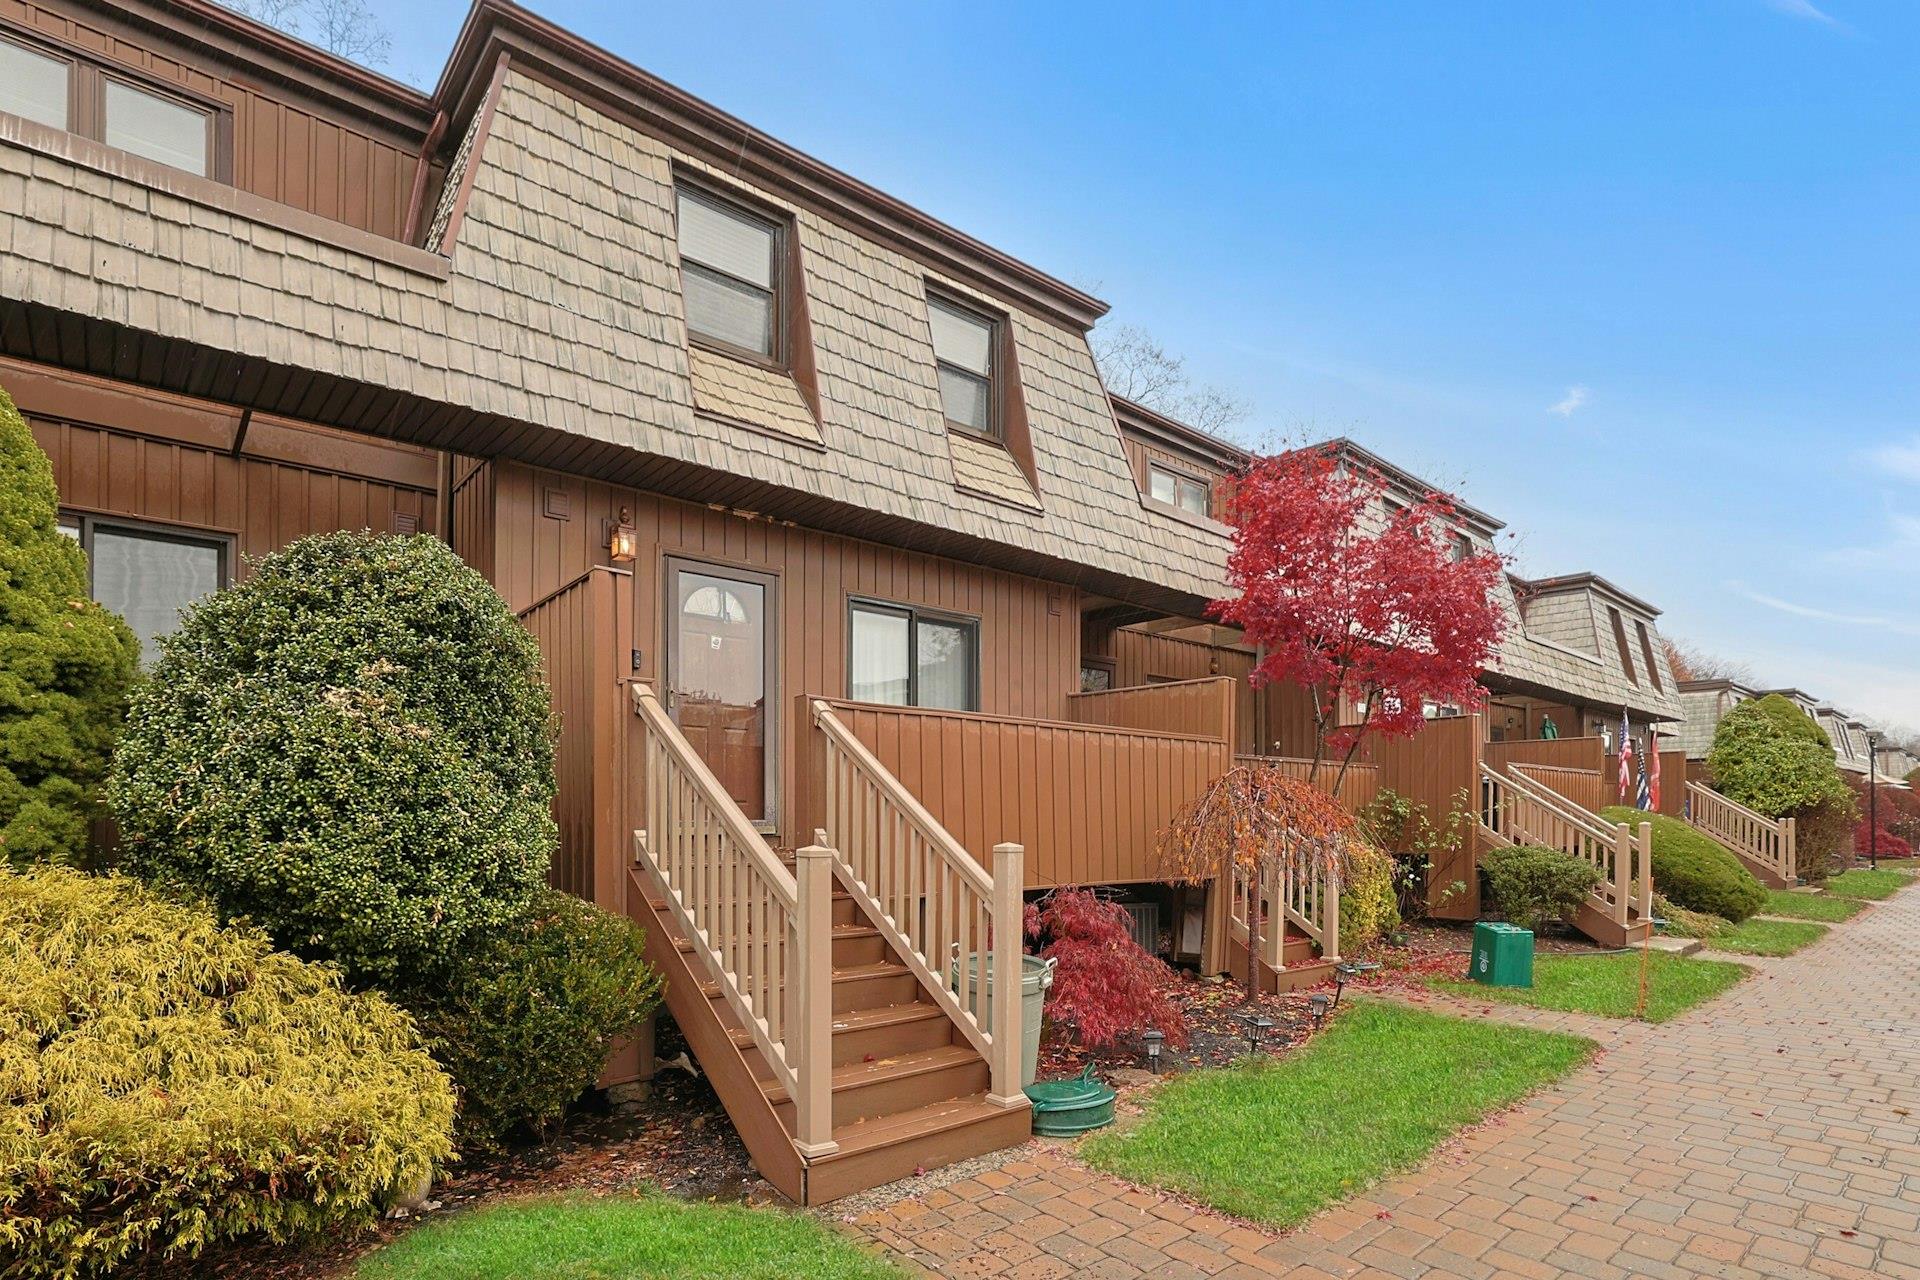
(1153, 1040)
(622, 541)
(1318, 1004)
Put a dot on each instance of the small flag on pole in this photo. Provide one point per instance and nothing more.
(1643, 795)
(1626, 758)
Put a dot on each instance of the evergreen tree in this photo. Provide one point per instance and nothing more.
(65, 665)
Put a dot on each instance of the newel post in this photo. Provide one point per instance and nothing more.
(1622, 876)
(1792, 870)
(811, 974)
(1330, 915)
(1009, 974)
(1646, 873)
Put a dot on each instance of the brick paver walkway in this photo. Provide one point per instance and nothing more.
(1770, 1133)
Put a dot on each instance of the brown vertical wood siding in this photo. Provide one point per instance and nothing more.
(263, 503)
(1439, 769)
(352, 172)
(1274, 720)
(1140, 454)
(581, 629)
(1029, 629)
(1088, 802)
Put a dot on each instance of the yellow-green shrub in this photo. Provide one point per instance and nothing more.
(1369, 905)
(166, 1083)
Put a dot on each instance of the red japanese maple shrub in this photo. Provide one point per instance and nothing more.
(1104, 985)
(1358, 599)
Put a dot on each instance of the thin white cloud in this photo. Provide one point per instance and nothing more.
(1873, 621)
(1898, 551)
(1806, 11)
(1900, 460)
(1801, 9)
(1576, 398)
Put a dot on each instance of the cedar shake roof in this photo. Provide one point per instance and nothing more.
(1703, 703)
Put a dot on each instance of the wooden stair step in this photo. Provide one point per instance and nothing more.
(841, 932)
(858, 1075)
(884, 1029)
(859, 986)
(893, 1146)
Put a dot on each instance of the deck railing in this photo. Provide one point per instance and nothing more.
(1307, 899)
(1763, 840)
(1515, 809)
(938, 906)
(764, 933)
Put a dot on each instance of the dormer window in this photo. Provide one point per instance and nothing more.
(963, 345)
(1177, 490)
(1620, 643)
(729, 274)
(1646, 653)
(90, 100)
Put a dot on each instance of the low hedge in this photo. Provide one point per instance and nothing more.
(170, 1083)
(525, 1021)
(1693, 870)
(1532, 884)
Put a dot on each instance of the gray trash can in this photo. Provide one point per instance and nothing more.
(1036, 976)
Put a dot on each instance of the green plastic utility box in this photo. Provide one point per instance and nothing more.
(1502, 955)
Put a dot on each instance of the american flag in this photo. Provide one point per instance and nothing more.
(1626, 758)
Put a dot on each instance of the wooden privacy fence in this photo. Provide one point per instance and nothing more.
(1357, 789)
(1758, 839)
(765, 935)
(939, 908)
(1201, 708)
(1514, 809)
(1438, 769)
(1583, 787)
(1086, 801)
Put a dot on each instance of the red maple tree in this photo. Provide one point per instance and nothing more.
(1104, 985)
(1360, 600)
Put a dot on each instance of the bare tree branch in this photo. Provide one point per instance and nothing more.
(1134, 365)
(346, 27)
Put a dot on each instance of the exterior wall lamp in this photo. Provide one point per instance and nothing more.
(622, 541)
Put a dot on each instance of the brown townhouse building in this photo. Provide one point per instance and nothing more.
(865, 610)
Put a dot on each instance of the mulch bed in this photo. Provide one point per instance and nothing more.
(678, 1140)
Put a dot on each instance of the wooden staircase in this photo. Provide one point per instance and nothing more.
(1516, 808)
(835, 1051)
(1300, 928)
(1763, 845)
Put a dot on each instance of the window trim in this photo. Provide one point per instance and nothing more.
(779, 357)
(996, 432)
(1620, 643)
(86, 523)
(87, 78)
(1180, 477)
(914, 614)
(1646, 655)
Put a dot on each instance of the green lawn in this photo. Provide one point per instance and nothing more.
(1810, 906)
(1277, 1141)
(1871, 885)
(1767, 937)
(1609, 985)
(621, 1237)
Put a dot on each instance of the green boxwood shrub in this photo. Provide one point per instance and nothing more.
(170, 1083)
(352, 749)
(1532, 884)
(1769, 755)
(65, 665)
(526, 1020)
(1694, 870)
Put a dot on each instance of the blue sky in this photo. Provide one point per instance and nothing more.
(1638, 278)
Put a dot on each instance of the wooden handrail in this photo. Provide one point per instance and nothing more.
(1767, 841)
(1519, 809)
(938, 907)
(765, 936)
